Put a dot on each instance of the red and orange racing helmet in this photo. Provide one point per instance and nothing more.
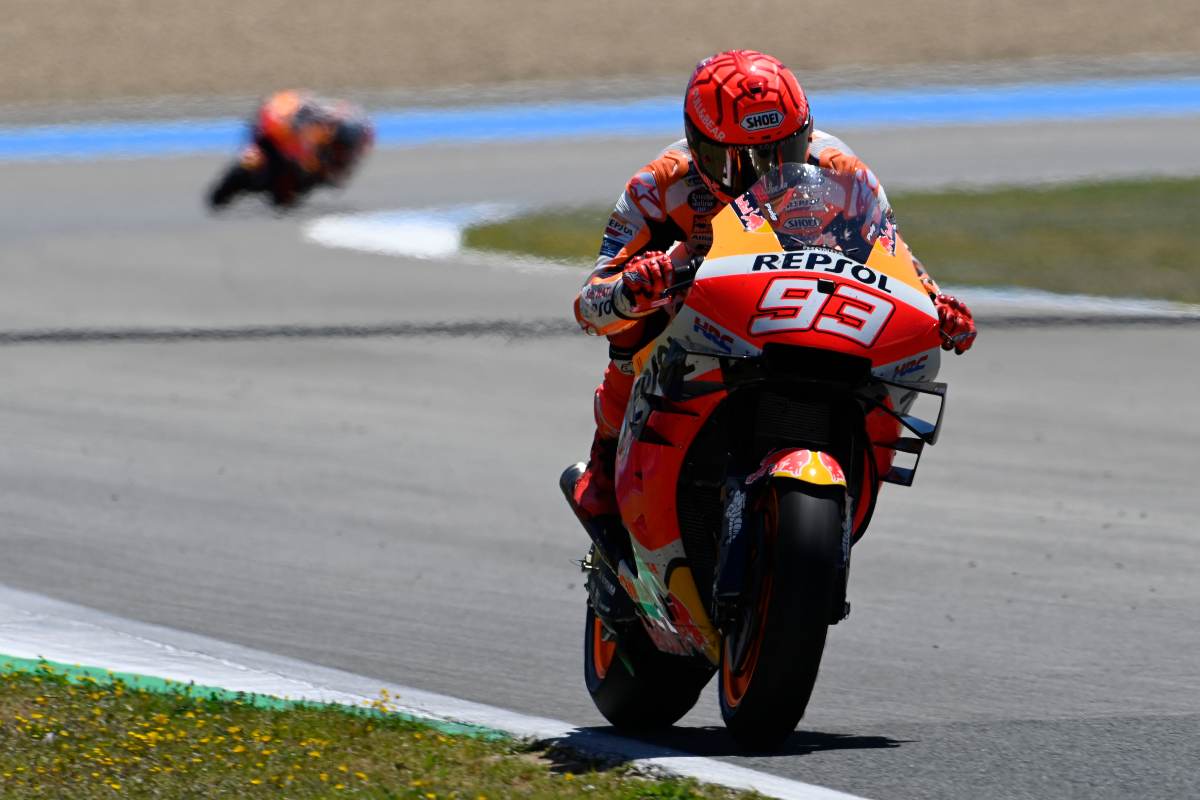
(744, 114)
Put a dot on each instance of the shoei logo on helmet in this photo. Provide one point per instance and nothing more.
(763, 120)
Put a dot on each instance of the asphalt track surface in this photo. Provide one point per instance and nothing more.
(1026, 617)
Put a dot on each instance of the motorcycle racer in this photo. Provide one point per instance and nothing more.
(744, 113)
(299, 142)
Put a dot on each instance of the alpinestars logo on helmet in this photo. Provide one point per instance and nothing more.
(763, 120)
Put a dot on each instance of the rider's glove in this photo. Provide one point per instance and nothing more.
(644, 283)
(955, 322)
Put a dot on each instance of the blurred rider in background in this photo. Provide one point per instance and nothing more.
(744, 113)
(299, 142)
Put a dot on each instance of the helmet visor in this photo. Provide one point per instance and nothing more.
(735, 168)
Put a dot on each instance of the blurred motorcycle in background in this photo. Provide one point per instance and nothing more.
(298, 142)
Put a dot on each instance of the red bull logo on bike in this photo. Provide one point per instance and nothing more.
(805, 465)
(751, 220)
(833, 467)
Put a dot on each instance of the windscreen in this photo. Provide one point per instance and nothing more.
(811, 206)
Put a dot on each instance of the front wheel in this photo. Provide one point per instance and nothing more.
(634, 685)
(769, 663)
(235, 180)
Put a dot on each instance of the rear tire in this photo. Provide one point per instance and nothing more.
(769, 664)
(659, 690)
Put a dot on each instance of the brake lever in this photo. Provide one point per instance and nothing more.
(685, 276)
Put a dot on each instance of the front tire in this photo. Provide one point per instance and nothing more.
(637, 687)
(232, 182)
(769, 663)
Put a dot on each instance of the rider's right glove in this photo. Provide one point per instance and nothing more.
(956, 323)
(644, 283)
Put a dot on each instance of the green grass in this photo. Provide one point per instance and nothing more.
(1123, 238)
(572, 235)
(63, 734)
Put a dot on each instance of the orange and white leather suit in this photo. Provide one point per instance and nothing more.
(665, 202)
(300, 141)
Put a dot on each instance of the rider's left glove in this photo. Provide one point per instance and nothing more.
(644, 283)
(955, 322)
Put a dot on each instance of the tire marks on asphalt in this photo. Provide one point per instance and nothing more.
(509, 329)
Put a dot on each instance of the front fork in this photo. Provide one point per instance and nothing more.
(742, 531)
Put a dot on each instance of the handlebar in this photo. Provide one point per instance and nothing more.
(684, 275)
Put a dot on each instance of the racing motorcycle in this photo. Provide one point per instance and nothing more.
(762, 423)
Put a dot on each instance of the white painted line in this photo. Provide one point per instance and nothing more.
(436, 233)
(409, 233)
(33, 626)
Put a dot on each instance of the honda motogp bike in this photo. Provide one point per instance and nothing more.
(762, 423)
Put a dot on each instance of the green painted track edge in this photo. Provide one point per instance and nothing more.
(76, 673)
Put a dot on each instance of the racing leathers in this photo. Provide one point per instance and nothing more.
(298, 142)
(665, 203)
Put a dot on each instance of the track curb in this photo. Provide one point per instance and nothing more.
(39, 630)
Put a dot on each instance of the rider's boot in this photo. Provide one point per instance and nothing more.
(591, 491)
(594, 494)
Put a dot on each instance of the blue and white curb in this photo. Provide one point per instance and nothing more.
(37, 627)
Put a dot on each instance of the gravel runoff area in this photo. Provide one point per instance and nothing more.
(67, 52)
